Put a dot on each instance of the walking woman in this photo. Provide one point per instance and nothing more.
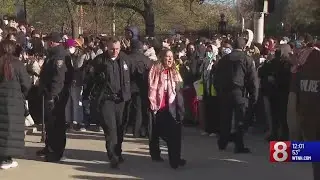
(14, 86)
(166, 103)
(75, 61)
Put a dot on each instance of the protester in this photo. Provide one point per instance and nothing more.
(75, 60)
(14, 87)
(166, 103)
(209, 79)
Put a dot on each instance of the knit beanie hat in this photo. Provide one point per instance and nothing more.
(71, 43)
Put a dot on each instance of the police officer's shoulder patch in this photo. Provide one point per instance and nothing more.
(59, 63)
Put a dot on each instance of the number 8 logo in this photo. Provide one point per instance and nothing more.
(278, 151)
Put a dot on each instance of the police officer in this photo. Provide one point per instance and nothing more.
(139, 111)
(114, 68)
(304, 99)
(235, 75)
(55, 88)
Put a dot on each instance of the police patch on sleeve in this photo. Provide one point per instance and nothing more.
(59, 63)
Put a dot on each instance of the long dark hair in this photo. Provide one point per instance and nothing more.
(7, 51)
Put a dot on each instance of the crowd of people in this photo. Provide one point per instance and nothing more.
(224, 84)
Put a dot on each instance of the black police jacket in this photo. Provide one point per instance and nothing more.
(139, 75)
(275, 77)
(235, 73)
(99, 84)
(53, 73)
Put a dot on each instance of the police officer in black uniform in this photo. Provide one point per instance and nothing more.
(113, 68)
(54, 87)
(304, 99)
(139, 111)
(235, 76)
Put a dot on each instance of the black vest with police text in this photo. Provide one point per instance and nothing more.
(308, 86)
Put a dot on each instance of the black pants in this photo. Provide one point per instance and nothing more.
(35, 104)
(126, 115)
(164, 126)
(279, 117)
(231, 107)
(138, 114)
(316, 170)
(211, 114)
(312, 134)
(260, 120)
(56, 126)
(112, 125)
(5, 158)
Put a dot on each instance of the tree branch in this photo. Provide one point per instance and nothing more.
(124, 5)
(69, 7)
(191, 3)
(130, 18)
(111, 4)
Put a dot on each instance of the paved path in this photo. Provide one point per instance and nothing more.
(86, 160)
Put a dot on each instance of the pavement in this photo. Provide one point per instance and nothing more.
(86, 160)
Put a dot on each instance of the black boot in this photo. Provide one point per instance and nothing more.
(114, 163)
(180, 163)
(52, 157)
(157, 159)
(121, 159)
(42, 152)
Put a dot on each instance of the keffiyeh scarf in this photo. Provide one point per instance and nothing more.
(157, 88)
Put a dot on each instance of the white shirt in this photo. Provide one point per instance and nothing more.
(166, 79)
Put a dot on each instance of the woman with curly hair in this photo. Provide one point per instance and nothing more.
(166, 104)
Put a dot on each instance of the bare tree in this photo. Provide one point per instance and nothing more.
(168, 15)
(74, 19)
(190, 3)
(301, 12)
(246, 8)
(146, 11)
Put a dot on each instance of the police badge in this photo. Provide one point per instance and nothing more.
(125, 66)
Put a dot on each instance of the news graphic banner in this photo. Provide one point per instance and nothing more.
(291, 151)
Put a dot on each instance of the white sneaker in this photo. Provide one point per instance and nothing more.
(204, 134)
(83, 129)
(29, 121)
(8, 165)
(212, 135)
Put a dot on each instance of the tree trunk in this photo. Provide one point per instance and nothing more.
(149, 19)
(74, 22)
(147, 13)
(75, 29)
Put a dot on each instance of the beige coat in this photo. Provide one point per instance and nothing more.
(34, 68)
